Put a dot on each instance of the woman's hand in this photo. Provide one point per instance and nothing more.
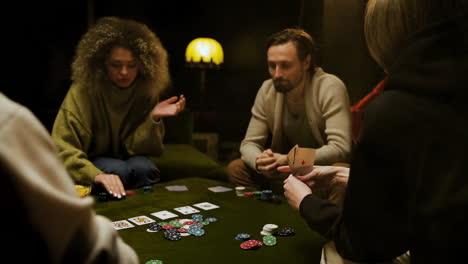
(168, 107)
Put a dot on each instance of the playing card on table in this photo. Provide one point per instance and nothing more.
(122, 224)
(206, 206)
(301, 160)
(186, 210)
(177, 188)
(164, 214)
(141, 220)
(219, 189)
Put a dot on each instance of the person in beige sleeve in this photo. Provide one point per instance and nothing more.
(45, 220)
(301, 104)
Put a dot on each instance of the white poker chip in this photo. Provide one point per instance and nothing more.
(182, 221)
(184, 234)
(266, 233)
(270, 227)
(152, 231)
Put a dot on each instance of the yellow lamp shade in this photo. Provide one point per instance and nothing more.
(205, 50)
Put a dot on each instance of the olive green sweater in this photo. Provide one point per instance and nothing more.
(104, 121)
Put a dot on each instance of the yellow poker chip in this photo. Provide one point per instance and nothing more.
(82, 190)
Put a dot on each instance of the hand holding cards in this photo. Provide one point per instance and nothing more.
(301, 160)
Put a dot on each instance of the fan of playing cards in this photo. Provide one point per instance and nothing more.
(301, 160)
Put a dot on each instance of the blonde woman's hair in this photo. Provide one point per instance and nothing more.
(389, 23)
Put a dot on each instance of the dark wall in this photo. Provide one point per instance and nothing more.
(344, 48)
(50, 33)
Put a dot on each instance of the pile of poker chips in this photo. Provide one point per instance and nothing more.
(265, 195)
(176, 229)
(268, 233)
(269, 230)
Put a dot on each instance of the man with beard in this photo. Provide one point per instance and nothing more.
(300, 104)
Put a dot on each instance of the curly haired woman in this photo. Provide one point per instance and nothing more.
(110, 119)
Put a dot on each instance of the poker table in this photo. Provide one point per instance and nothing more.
(235, 215)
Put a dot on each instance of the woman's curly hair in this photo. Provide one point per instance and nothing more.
(95, 45)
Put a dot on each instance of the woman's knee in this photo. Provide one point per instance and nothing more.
(143, 167)
(112, 166)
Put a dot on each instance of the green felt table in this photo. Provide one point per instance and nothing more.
(235, 215)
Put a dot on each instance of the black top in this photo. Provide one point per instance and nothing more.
(408, 188)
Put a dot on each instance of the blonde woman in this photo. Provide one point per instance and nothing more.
(407, 189)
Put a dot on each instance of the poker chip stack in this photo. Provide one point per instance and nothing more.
(287, 231)
(197, 218)
(196, 230)
(172, 234)
(176, 229)
(257, 194)
(249, 194)
(269, 240)
(268, 233)
(269, 230)
(240, 191)
(265, 195)
(251, 244)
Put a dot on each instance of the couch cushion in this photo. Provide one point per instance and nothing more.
(183, 161)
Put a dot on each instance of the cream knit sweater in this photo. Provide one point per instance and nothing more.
(328, 113)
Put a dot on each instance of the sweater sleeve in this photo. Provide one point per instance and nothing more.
(73, 140)
(29, 156)
(257, 131)
(147, 139)
(334, 106)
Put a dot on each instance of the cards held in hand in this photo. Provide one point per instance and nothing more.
(301, 160)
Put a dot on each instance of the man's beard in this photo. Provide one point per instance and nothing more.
(283, 86)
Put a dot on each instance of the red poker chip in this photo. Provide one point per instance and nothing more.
(244, 245)
(167, 227)
(251, 244)
(129, 193)
(190, 223)
(248, 194)
(182, 230)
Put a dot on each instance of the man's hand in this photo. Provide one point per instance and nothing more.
(295, 191)
(168, 107)
(111, 183)
(268, 161)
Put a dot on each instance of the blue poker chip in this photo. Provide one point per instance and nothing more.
(193, 228)
(243, 236)
(197, 218)
(211, 219)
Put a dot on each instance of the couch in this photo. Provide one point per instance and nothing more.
(180, 159)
